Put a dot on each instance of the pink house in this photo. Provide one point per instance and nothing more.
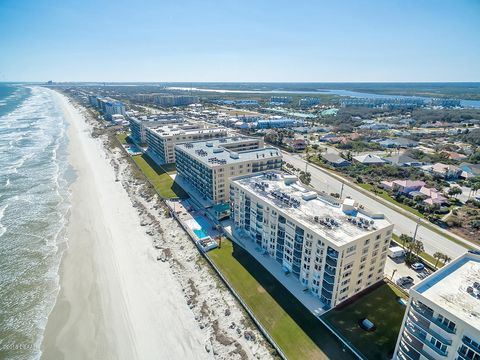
(403, 186)
(433, 196)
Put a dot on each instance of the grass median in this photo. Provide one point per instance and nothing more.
(380, 306)
(297, 332)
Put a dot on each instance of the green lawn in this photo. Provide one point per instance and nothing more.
(382, 308)
(159, 177)
(123, 138)
(298, 333)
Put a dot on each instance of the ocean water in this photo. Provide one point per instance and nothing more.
(34, 204)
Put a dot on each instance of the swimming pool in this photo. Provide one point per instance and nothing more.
(133, 150)
(204, 225)
(201, 234)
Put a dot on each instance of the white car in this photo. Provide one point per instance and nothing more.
(417, 266)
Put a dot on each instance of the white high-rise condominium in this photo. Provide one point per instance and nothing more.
(336, 249)
(442, 320)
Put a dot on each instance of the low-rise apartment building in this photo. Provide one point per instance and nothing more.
(207, 166)
(335, 249)
(442, 320)
(161, 140)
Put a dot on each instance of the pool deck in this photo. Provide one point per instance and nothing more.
(187, 214)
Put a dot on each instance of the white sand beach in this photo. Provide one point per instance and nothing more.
(116, 300)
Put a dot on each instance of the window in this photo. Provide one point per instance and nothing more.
(367, 242)
(447, 323)
(438, 344)
(351, 249)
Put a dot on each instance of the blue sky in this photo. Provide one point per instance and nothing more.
(180, 40)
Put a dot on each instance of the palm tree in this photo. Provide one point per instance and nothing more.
(418, 247)
(438, 255)
(446, 259)
(405, 239)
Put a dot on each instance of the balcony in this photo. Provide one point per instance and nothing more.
(326, 286)
(470, 345)
(423, 325)
(413, 345)
(329, 279)
(427, 314)
(330, 271)
(332, 253)
(332, 263)
(422, 336)
(407, 352)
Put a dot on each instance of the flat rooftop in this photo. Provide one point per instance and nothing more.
(187, 129)
(321, 213)
(448, 288)
(213, 152)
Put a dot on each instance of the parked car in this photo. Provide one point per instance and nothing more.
(417, 266)
(404, 281)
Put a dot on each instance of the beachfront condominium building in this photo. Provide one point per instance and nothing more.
(138, 125)
(206, 167)
(335, 249)
(161, 140)
(107, 106)
(442, 320)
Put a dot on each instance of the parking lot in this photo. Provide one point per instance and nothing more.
(398, 269)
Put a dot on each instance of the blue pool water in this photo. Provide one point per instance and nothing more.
(200, 233)
(132, 149)
(204, 224)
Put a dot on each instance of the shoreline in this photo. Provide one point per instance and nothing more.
(103, 308)
(116, 300)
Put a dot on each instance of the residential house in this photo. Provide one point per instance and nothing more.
(456, 156)
(403, 160)
(432, 196)
(448, 172)
(335, 160)
(403, 186)
(297, 144)
(369, 159)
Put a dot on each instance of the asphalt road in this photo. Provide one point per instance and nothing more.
(432, 241)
